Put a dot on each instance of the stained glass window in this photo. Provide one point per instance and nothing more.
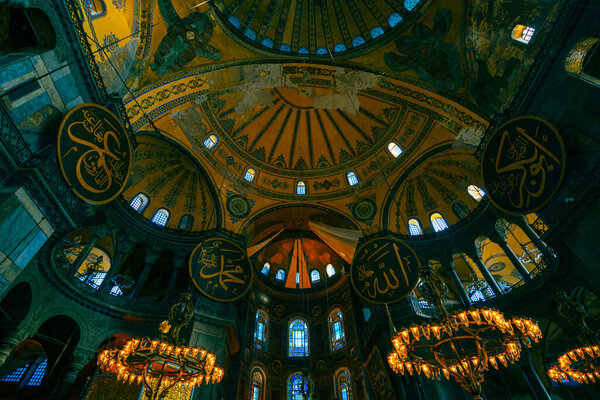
(250, 175)
(315, 276)
(475, 192)
(336, 330)
(257, 385)
(411, 4)
(352, 178)
(414, 228)
(260, 330)
(301, 188)
(438, 222)
(343, 384)
(16, 375)
(394, 149)
(298, 387)
(38, 374)
(139, 202)
(211, 142)
(265, 269)
(394, 19)
(186, 222)
(330, 270)
(161, 217)
(280, 275)
(298, 338)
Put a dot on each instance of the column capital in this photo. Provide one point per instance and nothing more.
(152, 257)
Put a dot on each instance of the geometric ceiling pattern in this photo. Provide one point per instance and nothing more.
(315, 28)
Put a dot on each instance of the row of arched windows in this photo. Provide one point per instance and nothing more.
(315, 275)
(250, 175)
(298, 333)
(299, 385)
(161, 217)
(35, 378)
(438, 222)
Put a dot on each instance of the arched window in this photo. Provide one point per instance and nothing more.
(260, 330)
(97, 8)
(414, 228)
(315, 276)
(438, 222)
(299, 387)
(343, 385)
(475, 192)
(265, 269)
(522, 33)
(257, 385)
(298, 338)
(300, 187)
(139, 202)
(280, 275)
(336, 330)
(250, 175)
(211, 141)
(460, 209)
(161, 217)
(394, 149)
(330, 270)
(352, 178)
(186, 222)
(38, 374)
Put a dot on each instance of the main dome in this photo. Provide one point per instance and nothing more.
(316, 27)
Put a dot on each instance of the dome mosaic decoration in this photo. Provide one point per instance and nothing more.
(316, 28)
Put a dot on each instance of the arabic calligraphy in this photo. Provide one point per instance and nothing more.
(523, 165)
(380, 380)
(94, 153)
(220, 269)
(384, 270)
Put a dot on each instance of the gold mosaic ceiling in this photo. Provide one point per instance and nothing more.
(307, 117)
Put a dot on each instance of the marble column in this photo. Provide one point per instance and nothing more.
(501, 240)
(8, 344)
(123, 249)
(538, 390)
(178, 266)
(491, 281)
(151, 259)
(79, 358)
(448, 267)
(547, 253)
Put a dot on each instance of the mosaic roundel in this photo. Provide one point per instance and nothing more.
(364, 210)
(238, 206)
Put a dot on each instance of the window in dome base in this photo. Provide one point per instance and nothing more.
(438, 222)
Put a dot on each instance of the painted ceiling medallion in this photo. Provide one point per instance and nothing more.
(316, 28)
(238, 206)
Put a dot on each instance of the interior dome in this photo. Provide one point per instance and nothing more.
(307, 28)
(163, 178)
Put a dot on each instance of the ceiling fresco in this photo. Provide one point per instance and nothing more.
(463, 48)
(172, 181)
(316, 28)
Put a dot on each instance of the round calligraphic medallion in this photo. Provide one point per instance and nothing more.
(220, 269)
(238, 206)
(523, 165)
(94, 153)
(384, 270)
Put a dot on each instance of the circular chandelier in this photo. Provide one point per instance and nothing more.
(581, 364)
(163, 364)
(463, 344)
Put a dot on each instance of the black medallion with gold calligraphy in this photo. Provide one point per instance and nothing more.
(94, 153)
(523, 165)
(220, 269)
(384, 270)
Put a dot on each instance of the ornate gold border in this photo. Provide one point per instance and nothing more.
(125, 134)
(192, 254)
(383, 238)
(562, 172)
